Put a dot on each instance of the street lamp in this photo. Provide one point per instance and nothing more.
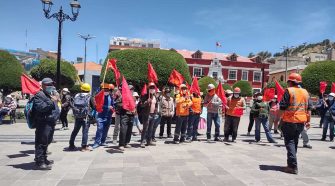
(85, 37)
(286, 51)
(60, 16)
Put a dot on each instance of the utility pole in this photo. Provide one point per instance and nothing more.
(85, 37)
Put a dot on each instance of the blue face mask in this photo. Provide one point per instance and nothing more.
(50, 89)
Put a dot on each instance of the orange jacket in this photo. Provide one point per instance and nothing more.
(233, 104)
(182, 106)
(196, 105)
(297, 111)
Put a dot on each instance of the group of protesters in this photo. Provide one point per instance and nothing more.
(154, 107)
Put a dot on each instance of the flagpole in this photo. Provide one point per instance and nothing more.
(103, 80)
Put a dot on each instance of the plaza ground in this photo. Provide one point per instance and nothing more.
(197, 163)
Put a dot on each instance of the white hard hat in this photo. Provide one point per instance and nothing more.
(65, 90)
(229, 91)
(9, 96)
(135, 94)
(332, 94)
(275, 96)
(210, 87)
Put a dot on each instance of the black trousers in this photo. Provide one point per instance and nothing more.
(126, 129)
(231, 127)
(63, 118)
(181, 127)
(291, 132)
(167, 120)
(43, 137)
(251, 122)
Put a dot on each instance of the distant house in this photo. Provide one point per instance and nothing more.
(93, 71)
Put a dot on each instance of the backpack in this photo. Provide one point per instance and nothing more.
(29, 114)
(81, 106)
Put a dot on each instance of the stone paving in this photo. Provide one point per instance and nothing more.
(197, 163)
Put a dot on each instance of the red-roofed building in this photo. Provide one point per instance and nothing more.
(228, 68)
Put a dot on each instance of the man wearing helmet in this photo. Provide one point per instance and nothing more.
(296, 107)
(235, 106)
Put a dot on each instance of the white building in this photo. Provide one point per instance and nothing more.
(124, 42)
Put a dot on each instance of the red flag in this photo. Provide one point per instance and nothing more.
(280, 91)
(269, 93)
(323, 86)
(144, 90)
(221, 94)
(195, 86)
(29, 85)
(333, 87)
(112, 65)
(128, 102)
(176, 78)
(152, 76)
(99, 100)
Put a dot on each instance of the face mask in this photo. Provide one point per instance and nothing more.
(50, 89)
(184, 91)
(152, 91)
(274, 100)
(259, 98)
(330, 98)
(236, 95)
(168, 94)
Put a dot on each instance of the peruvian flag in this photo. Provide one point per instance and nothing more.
(269, 93)
(112, 65)
(99, 100)
(280, 91)
(144, 90)
(29, 85)
(152, 76)
(218, 44)
(195, 86)
(333, 88)
(221, 94)
(323, 86)
(176, 78)
(128, 102)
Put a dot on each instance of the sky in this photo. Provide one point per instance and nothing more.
(241, 26)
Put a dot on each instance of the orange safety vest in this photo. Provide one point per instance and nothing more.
(196, 106)
(233, 104)
(183, 106)
(297, 111)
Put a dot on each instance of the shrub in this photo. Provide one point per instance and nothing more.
(245, 87)
(203, 83)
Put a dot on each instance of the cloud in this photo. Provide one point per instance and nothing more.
(166, 39)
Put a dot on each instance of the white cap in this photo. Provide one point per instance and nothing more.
(9, 96)
(210, 87)
(332, 94)
(65, 90)
(229, 91)
(135, 94)
(275, 96)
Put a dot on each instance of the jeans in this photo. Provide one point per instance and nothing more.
(231, 127)
(192, 129)
(304, 136)
(116, 127)
(136, 122)
(210, 118)
(63, 118)
(328, 122)
(126, 128)
(291, 132)
(251, 121)
(80, 123)
(148, 128)
(156, 123)
(180, 128)
(42, 140)
(265, 122)
(167, 120)
(103, 125)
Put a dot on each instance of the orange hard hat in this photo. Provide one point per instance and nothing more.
(237, 90)
(111, 87)
(295, 77)
(104, 85)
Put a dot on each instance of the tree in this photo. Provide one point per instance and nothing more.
(47, 68)
(133, 64)
(316, 72)
(203, 83)
(245, 87)
(273, 84)
(277, 54)
(226, 87)
(264, 54)
(251, 55)
(10, 73)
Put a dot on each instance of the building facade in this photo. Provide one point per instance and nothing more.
(279, 75)
(93, 71)
(227, 68)
(119, 43)
(314, 57)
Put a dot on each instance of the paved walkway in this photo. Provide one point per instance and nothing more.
(198, 163)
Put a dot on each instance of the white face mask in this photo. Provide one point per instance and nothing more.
(330, 98)
(152, 91)
(184, 91)
(274, 100)
(236, 95)
(259, 98)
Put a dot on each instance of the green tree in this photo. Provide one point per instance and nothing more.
(245, 87)
(264, 54)
(47, 68)
(273, 84)
(10, 73)
(226, 87)
(133, 64)
(251, 55)
(316, 72)
(203, 83)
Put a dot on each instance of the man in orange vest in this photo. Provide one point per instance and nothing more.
(295, 107)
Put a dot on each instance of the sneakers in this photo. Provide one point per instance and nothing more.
(121, 148)
(127, 146)
(323, 139)
(49, 162)
(188, 141)
(160, 137)
(72, 148)
(103, 144)
(43, 166)
(95, 146)
(217, 139)
(175, 141)
(290, 170)
(226, 140)
(154, 140)
(63, 128)
(308, 146)
(114, 141)
(169, 136)
(151, 144)
(142, 145)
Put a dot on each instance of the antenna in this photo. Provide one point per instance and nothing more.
(96, 52)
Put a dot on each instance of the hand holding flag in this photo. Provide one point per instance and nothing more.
(152, 76)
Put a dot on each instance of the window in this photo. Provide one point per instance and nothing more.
(256, 90)
(215, 63)
(257, 76)
(197, 72)
(150, 45)
(215, 75)
(245, 75)
(232, 75)
(120, 43)
(281, 78)
(114, 43)
(144, 46)
(126, 44)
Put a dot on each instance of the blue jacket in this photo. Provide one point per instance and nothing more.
(107, 112)
(324, 109)
(46, 112)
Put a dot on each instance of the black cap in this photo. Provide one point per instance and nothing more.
(47, 81)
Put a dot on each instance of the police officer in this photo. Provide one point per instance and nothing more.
(295, 106)
(46, 113)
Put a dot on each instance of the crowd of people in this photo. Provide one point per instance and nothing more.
(290, 116)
